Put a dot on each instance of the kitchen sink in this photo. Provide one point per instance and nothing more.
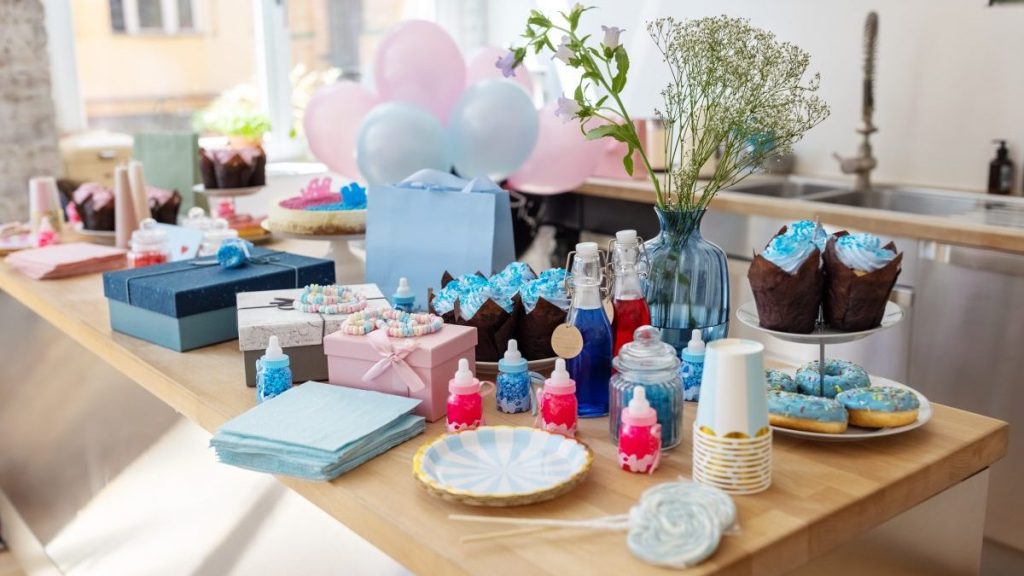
(788, 188)
(961, 206)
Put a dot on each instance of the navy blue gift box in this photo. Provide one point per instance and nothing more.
(190, 304)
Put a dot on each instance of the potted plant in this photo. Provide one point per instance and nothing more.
(735, 91)
(236, 116)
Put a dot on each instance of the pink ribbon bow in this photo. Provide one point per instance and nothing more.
(394, 353)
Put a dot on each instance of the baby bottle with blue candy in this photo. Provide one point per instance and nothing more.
(591, 369)
(273, 372)
(513, 394)
(692, 368)
(404, 298)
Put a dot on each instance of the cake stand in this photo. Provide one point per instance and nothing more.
(822, 335)
(338, 245)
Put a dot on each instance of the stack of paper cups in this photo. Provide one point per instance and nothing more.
(138, 184)
(126, 219)
(732, 442)
(44, 202)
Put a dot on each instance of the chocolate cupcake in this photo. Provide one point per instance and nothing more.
(233, 168)
(787, 278)
(544, 306)
(860, 274)
(163, 204)
(95, 205)
(469, 301)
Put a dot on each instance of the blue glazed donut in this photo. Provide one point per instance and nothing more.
(840, 376)
(803, 412)
(880, 406)
(779, 380)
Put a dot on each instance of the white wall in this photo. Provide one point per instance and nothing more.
(950, 76)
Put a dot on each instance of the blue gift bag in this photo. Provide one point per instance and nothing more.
(434, 222)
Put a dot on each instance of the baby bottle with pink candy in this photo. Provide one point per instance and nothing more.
(557, 401)
(639, 435)
(465, 402)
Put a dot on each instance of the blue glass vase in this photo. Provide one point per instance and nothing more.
(687, 282)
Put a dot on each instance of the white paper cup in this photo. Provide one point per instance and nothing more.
(733, 397)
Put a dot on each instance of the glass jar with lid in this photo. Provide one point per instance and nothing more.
(653, 364)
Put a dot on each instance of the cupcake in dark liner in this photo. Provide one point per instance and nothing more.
(787, 279)
(860, 274)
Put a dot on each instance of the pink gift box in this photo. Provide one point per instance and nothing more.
(398, 365)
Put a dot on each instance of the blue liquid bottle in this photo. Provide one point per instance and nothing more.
(592, 368)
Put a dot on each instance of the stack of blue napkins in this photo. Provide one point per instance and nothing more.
(317, 431)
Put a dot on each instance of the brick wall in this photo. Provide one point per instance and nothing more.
(28, 132)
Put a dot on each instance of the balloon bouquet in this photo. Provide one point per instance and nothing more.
(434, 110)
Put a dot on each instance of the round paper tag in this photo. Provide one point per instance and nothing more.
(609, 310)
(567, 341)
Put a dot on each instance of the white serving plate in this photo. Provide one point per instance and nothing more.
(854, 433)
(227, 192)
(747, 314)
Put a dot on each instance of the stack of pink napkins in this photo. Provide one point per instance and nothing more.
(63, 260)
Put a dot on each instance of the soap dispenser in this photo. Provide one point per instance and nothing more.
(273, 372)
(1000, 171)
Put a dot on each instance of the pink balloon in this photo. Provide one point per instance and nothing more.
(480, 66)
(419, 63)
(332, 121)
(562, 159)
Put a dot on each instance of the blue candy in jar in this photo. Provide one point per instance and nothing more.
(653, 364)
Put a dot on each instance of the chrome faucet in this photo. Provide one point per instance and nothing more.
(864, 162)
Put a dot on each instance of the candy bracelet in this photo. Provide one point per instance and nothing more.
(399, 324)
(318, 299)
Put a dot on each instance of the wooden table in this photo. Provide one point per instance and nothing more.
(822, 494)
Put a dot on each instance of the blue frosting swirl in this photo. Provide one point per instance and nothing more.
(779, 380)
(550, 285)
(788, 252)
(863, 252)
(805, 407)
(879, 399)
(809, 231)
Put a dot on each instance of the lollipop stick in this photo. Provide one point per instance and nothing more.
(620, 522)
(504, 534)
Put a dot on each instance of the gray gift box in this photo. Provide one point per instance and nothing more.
(301, 334)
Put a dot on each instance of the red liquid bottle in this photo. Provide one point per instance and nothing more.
(631, 311)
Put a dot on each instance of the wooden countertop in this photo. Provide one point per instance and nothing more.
(823, 494)
(887, 222)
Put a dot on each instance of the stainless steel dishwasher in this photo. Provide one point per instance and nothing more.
(966, 351)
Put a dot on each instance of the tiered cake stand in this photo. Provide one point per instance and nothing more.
(339, 246)
(823, 335)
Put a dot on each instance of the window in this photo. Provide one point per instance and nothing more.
(162, 17)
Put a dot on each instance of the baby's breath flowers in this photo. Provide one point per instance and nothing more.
(735, 90)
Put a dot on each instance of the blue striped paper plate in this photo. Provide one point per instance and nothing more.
(501, 466)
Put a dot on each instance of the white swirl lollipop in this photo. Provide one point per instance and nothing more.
(675, 524)
(679, 524)
(720, 503)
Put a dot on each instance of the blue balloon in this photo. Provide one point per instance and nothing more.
(492, 129)
(397, 139)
